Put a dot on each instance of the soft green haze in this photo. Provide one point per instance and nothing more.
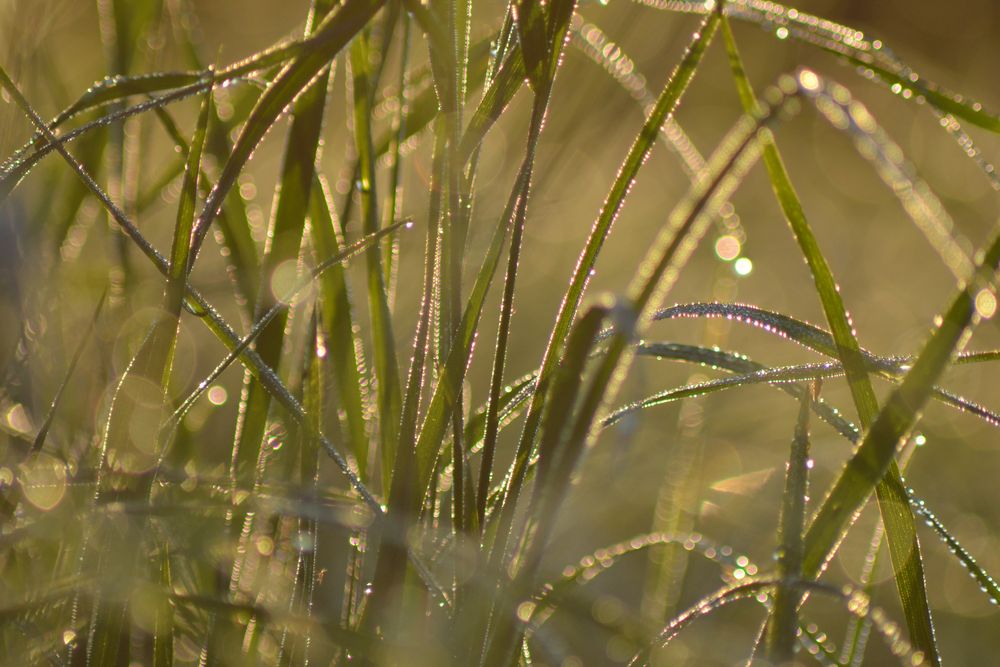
(565, 333)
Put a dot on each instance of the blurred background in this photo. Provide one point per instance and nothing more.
(714, 465)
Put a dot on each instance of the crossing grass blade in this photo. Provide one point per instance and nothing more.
(896, 419)
(328, 38)
(285, 238)
(640, 149)
(901, 532)
(340, 333)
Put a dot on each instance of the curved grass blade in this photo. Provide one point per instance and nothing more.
(890, 368)
(843, 41)
(900, 530)
(856, 602)
(327, 40)
(666, 103)
(876, 452)
(987, 584)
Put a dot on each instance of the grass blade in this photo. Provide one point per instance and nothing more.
(666, 103)
(900, 530)
(386, 368)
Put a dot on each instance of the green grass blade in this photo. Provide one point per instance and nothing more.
(784, 621)
(529, 17)
(900, 529)
(329, 37)
(441, 405)
(895, 421)
(163, 626)
(558, 455)
(285, 238)
(666, 103)
(498, 95)
(402, 502)
(338, 325)
(987, 584)
(385, 365)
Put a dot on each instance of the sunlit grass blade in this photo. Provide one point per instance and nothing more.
(900, 530)
(987, 584)
(388, 392)
(896, 419)
(328, 38)
(343, 344)
(17, 167)
(856, 602)
(666, 103)
(849, 43)
(890, 368)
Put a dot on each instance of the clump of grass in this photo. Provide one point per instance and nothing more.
(368, 493)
